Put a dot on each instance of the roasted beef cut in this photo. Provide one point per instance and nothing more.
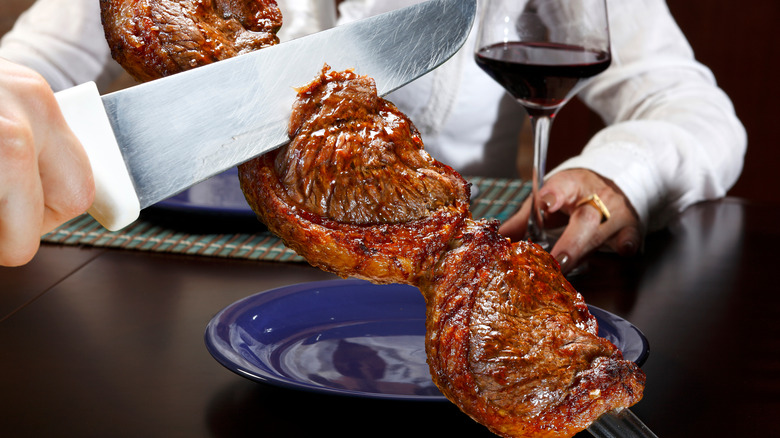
(513, 344)
(508, 339)
(354, 192)
(156, 38)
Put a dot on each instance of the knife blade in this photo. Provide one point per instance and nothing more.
(154, 140)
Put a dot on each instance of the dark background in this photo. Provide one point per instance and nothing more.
(740, 47)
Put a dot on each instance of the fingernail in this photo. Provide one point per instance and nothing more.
(627, 248)
(563, 261)
(548, 200)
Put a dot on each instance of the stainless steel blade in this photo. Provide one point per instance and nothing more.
(177, 131)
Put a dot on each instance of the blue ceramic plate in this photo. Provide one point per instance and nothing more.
(348, 337)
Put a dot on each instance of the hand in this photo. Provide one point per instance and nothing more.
(585, 232)
(45, 176)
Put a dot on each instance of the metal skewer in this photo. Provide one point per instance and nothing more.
(620, 423)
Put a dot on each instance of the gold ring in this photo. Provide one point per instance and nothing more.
(594, 201)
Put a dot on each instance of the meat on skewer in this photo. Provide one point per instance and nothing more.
(508, 339)
(513, 344)
(156, 38)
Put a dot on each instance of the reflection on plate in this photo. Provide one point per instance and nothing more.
(348, 337)
(216, 205)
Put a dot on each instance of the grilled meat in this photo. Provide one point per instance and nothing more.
(508, 338)
(354, 192)
(513, 344)
(156, 38)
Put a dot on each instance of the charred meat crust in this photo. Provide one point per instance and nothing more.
(382, 253)
(354, 193)
(156, 38)
(355, 158)
(513, 342)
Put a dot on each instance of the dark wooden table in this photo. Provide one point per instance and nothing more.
(109, 343)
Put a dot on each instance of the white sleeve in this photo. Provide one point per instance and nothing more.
(303, 17)
(672, 137)
(63, 41)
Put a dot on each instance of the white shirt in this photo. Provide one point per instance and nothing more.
(672, 137)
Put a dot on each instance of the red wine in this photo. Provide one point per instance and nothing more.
(541, 75)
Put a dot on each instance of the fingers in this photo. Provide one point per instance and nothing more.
(516, 226)
(580, 237)
(66, 179)
(45, 178)
(584, 231)
(20, 196)
(629, 240)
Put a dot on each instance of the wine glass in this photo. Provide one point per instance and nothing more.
(542, 52)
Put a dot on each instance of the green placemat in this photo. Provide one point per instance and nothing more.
(496, 199)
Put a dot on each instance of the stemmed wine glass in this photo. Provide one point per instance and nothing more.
(542, 52)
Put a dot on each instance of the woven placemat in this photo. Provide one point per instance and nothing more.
(495, 199)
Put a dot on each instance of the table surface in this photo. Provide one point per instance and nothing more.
(105, 342)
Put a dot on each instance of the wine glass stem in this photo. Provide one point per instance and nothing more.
(541, 132)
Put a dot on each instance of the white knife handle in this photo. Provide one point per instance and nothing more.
(116, 203)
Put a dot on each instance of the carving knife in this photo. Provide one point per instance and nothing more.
(151, 141)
